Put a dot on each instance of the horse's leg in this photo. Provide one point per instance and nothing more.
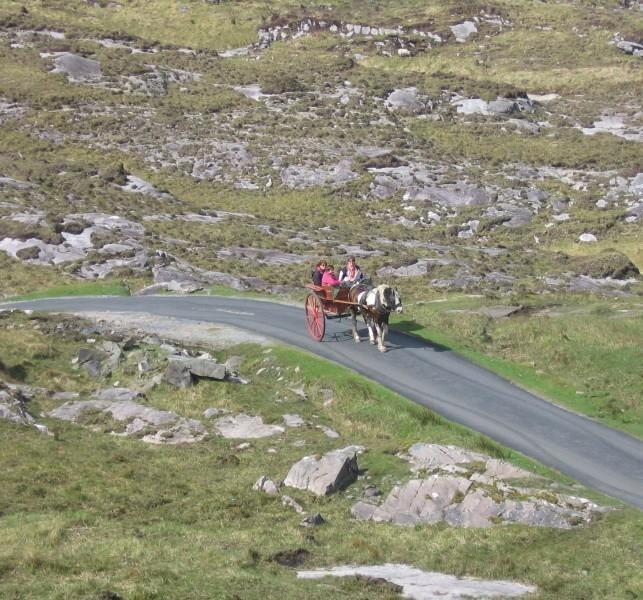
(380, 337)
(370, 324)
(354, 325)
(384, 334)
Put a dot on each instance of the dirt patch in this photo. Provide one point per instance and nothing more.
(190, 333)
(291, 558)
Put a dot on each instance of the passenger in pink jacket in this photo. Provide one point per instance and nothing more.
(330, 278)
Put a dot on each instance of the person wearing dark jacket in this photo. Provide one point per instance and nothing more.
(318, 272)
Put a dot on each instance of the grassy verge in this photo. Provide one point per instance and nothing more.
(581, 353)
(89, 515)
(84, 288)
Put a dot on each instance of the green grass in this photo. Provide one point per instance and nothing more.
(200, 25)
(587, 359)
(83, 513)
(81, 288)
(487, 144)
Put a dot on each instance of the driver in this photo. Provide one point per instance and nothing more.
(351, 273)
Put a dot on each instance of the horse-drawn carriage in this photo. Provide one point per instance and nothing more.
(374, 304)
(325, 302)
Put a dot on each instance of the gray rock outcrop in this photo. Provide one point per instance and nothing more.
(244, 426)
(301, 177)
(423, 585)
(468, 489)
(428, 457)
(418, 501)
(332, 472)
(132, 419)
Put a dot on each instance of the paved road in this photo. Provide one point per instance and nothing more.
(600, 457)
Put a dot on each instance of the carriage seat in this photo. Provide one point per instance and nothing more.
(328, 292)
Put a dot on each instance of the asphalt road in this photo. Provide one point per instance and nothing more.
(600, 457)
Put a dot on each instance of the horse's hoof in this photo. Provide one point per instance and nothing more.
(373, 342)
(382, 348)
(357, 340)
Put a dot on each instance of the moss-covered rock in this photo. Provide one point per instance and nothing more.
(607, 264)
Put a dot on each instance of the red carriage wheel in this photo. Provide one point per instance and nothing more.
(315, 319)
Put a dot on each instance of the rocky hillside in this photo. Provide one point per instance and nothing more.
(456, 145)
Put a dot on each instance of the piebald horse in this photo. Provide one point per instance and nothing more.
(375, 304)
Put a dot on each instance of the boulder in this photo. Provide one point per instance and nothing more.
(89, 354)
(587, 238)
(462, 31)
(334, 471)
(181, 370)
(314, 520)
(13, 407)
(288, 501)
(76, 67)
(405, 100)
(114, 354)
(455, 195)
(177, 374)
(264, 484)
(94, 369)
(202, 367)
(630, 48)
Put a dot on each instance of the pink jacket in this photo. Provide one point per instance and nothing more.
(330, 279)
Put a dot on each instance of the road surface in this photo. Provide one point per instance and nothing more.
(600, 457)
